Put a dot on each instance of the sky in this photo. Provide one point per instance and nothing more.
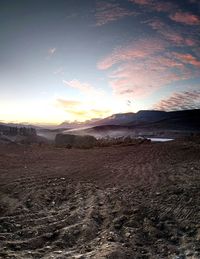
(76, 60)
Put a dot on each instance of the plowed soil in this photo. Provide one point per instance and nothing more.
(138, 201)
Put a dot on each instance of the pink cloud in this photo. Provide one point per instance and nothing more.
(145, 66)
(186, 18)
(139, 79)
(170, 34)
(180, 101)
(155, 5)
(84, 88)
(164, 7)
(109, 12)
(142, 2)
(187, 59)
(136, 50)
(170, 8)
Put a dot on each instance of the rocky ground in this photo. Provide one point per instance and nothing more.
(139, 201)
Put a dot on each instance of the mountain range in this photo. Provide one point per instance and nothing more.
(144, 122)
(184, 119)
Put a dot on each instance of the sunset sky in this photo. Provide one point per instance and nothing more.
(67, 60)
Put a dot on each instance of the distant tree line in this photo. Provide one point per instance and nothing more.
(14, 131)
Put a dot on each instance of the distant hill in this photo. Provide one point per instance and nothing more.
(116, 119)
(143, 122)
(184, 118)
(177, 120)
(149, 122)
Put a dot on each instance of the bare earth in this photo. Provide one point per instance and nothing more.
(137, 201)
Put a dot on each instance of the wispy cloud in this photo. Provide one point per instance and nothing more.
(155, 5)
(139, 79)
(186, 18)
(85, 88)
(180, 101)
(59, 71)
(170, 9)
(187, 58)
(145, 66)
(135, 50)
(51, 51)
(89, 114)
(68, 103)
(172, 35)
(108, 12)
(80, 111)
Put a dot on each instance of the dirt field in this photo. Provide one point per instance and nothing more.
(117, 202)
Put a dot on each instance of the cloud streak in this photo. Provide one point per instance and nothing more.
(159, 6)
(171, 9)
(187, 58)
(186, 18)
(136, 50)
(180, 101)
(140, 79)
(110, 12)
(81, 111)
(145, 66)
(67, 103)
(173, 36)
(85, 88)
(51, 51)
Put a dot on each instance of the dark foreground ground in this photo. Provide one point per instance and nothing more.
(137, 201)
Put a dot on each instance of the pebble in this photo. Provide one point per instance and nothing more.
(58, 252)
(110, 238)
(127, 234)
(188, 253)
(17, 225)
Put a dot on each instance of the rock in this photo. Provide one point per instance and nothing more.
(127, 234)
(17, 225)
(111, 239)
(58, 252)
(188, 253)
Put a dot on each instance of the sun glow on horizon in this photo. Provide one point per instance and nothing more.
(57, 110)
